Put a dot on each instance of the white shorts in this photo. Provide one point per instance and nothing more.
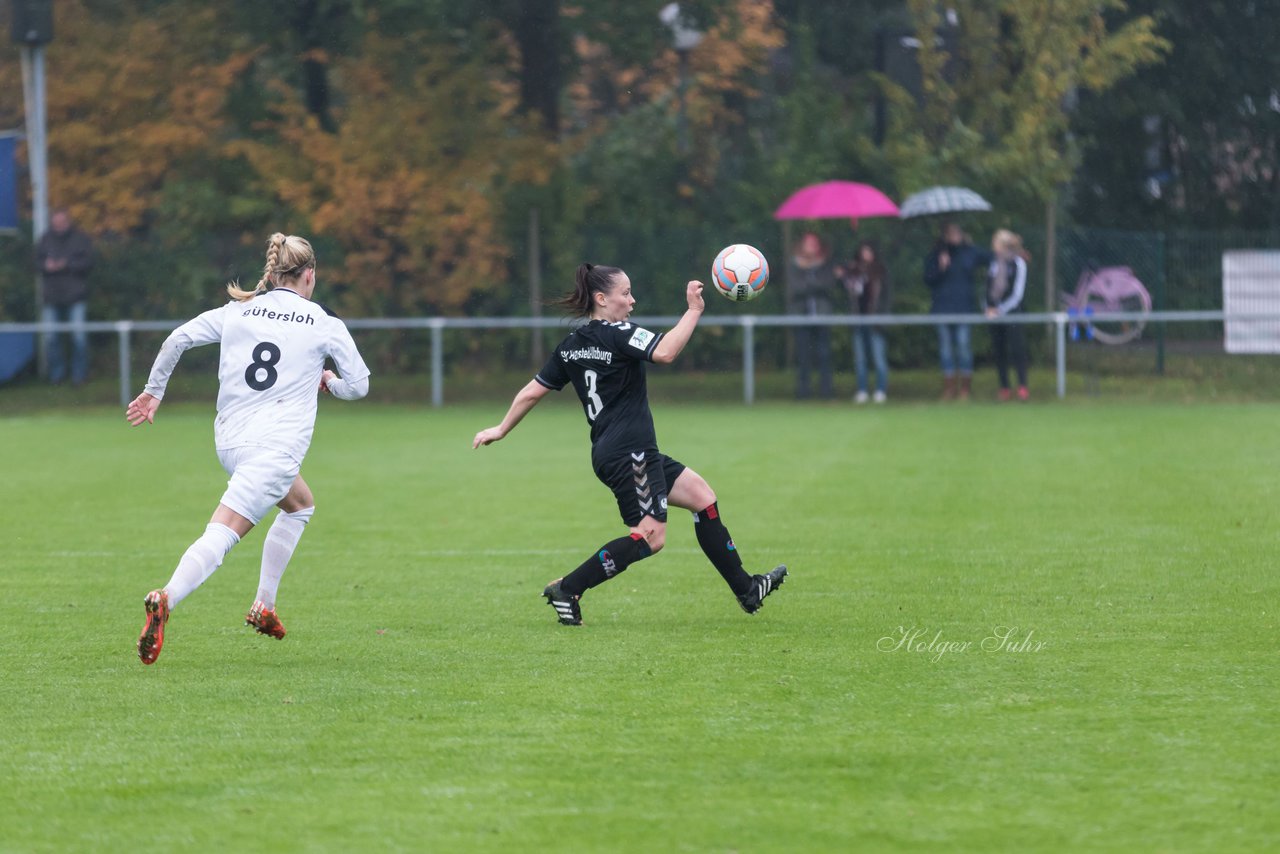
(260, 479)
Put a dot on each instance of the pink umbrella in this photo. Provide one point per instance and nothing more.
(836, 200)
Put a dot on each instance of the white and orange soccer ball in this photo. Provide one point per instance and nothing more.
(740, 272)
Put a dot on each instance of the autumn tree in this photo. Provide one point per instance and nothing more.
(138, 116)
(407, 184)
(133, 101)
(1002, 120)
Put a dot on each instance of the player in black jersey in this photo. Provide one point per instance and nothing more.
(605, 359)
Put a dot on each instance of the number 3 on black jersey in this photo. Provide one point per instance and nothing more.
(265, 358)
(594, 403)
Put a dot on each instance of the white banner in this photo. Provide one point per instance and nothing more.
(1251, 285)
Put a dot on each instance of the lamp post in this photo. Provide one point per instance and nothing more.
(684, 39)
(33, 29)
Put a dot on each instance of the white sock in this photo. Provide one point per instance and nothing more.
(277, 549)
(201, 559)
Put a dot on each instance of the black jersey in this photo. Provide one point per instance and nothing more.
(606, 364)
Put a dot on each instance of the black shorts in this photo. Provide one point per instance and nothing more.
(640, 481)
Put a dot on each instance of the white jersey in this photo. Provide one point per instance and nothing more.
(273, 355)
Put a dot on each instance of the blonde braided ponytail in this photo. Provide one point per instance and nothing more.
(287, 256)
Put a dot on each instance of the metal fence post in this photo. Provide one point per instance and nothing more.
(1160, 306)
(748, 359)
(437, 362)
(124, 328)
(1060, 351)
(34, 97)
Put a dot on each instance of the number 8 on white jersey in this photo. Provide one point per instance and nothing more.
(273, 352)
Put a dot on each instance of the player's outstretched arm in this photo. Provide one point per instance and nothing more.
(526, 399)
(675, 340)
(142, 408)
(203, 329)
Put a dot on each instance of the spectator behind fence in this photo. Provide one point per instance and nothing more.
(1006, 286)
(949, 272)
(811, 284)
(867, 281)
(64, 257)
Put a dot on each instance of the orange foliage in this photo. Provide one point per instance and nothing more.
(132, 101)
(409, 183)
(409, 186)
(721, 65)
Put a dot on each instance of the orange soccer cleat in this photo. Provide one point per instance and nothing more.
(264, 621)
(152, 638)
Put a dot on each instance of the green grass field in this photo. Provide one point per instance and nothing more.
(425, 699)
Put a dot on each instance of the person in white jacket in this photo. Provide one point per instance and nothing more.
(274, 342)
(1006, 287)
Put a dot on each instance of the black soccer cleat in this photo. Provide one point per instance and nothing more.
(567, 609)
(762, 586)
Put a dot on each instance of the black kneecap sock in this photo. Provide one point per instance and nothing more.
(611, 559)
(718, 546)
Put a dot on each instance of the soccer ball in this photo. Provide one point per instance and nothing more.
(740, 272)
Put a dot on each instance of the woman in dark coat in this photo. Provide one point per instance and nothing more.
(811, 284)
(867, 282)
(949, 272)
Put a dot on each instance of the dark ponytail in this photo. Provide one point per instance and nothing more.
(590, 280)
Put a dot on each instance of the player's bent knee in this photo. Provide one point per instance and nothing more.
(302, 514)
(655, 534)
(700, 495)
(692, 492)
(297, 500)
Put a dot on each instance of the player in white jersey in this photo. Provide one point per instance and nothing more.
(274, 342)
